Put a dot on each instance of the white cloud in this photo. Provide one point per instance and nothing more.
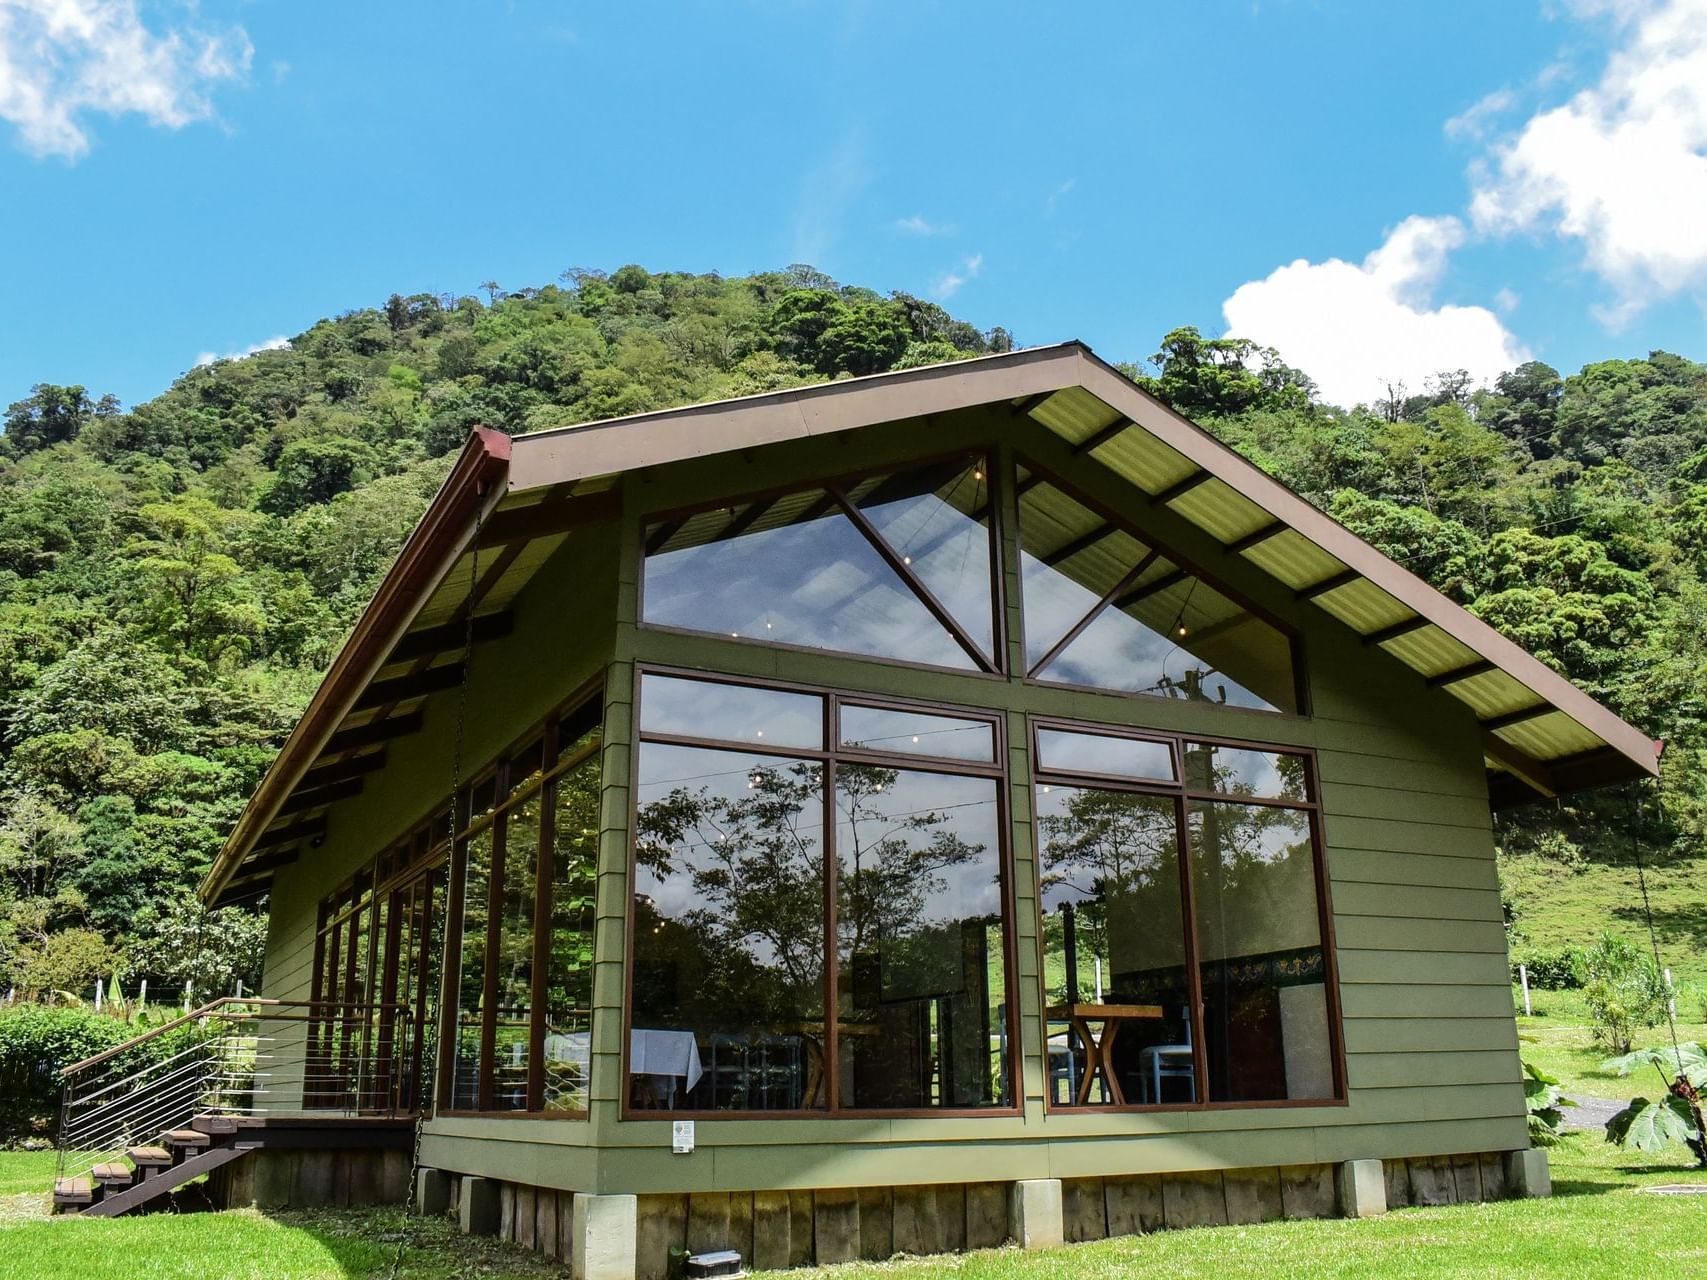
(1354, 327)
(1621, 167)
(63, 59)
(1057, 195)
(920, 226)
(827, 191)
(1476, 121)
(949, 282)
(276, 343)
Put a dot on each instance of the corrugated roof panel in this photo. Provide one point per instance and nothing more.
(1139, 457)
(1293, 559)
(1074, 414)
(1550, 737)
(1221, 511)
(1363, 606)
(1431, 651)
(1493, 693)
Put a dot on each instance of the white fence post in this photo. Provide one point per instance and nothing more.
(1523, 977)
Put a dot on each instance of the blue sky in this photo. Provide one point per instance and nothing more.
(1531, 178)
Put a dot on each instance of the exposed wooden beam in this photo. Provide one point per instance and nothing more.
(1096, 440)
(545, 519)
(1470, 669)
(1025, 406)
(338, 770)
(1405, 628)
(661, 534)
(415, 685)
(238, 895)
(746, 520)
(1257, 537)
(307, 829)
(266, 862)
(1084, 542)
(1161, 584)
(299, 801)
(448, 637)
(1520, 764)
(1317, 589)
(1180, 488)
(1520, 716)
(366, 735)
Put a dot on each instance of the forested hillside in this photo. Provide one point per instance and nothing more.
(175, 576)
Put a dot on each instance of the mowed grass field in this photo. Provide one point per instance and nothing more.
(1599, 1223)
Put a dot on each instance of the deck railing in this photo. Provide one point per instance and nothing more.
(239, 1057)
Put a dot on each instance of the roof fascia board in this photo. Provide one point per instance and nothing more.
(1121, 394)
(470, 490)
(626, 444)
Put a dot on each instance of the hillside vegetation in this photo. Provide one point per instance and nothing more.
(175, 576)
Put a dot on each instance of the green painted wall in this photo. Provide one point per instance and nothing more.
(1431, 1043)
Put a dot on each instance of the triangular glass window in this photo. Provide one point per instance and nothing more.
(897, 566)
(1103, 610)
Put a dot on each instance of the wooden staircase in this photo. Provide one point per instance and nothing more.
(114, 1188)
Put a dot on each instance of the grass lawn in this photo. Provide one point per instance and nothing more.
(1559, 1039)
(1596, 1225)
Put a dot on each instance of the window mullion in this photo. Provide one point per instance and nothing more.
(544, 885)
(938, 610)
(832, 952)
(489, 978)
(1078, 628)
(1193, 963)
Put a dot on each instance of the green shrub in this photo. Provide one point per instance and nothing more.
(38, 1041)
(1562, 970)
(1625, 991)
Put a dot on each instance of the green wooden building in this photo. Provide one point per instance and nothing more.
(906, 813)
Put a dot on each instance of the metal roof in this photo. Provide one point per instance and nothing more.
(1541, 734)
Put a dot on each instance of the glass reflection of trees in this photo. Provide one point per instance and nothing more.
(1111, 866)
(730, 919)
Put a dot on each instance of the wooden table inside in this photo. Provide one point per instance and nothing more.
(1080, 1017)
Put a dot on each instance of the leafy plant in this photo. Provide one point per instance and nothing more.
(1625, 991)
(1563, 969)
(1649, 1124)
(1545, 1099)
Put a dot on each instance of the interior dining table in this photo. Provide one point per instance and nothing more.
(1097, 1060)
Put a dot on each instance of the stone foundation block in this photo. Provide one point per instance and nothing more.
(478, 1214)
(1527, 1174)
(1037, 1218)
(602, 1236)
(432, 1192)
(1362, 1188)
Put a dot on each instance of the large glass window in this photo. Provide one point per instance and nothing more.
(1182, 923)
(752, 866)
(521, 1035)
(896, 566)
(1105, 610)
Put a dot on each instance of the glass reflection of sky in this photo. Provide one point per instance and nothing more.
(1241, 772)
(1119, 652)
(734, 713)
(1053, 603)
(1070, 752)
(819, 584)
(915, 733)
(950, 554)
(725, 776)
(968, 811)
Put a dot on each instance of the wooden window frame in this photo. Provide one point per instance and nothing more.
(993, 665)
(546, 736)
(1183, 795)
(828, 756)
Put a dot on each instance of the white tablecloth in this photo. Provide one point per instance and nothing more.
(650, 1053)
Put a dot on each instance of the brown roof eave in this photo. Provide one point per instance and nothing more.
(474, 483)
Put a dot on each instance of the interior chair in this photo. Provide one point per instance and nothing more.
(1159, 1062)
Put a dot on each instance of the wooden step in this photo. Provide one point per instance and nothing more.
(187, 1138)
(148, 1159)
(217, 1125)
(73, 1193)
(114, 1176)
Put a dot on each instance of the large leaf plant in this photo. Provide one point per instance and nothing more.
(1649, 1124)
